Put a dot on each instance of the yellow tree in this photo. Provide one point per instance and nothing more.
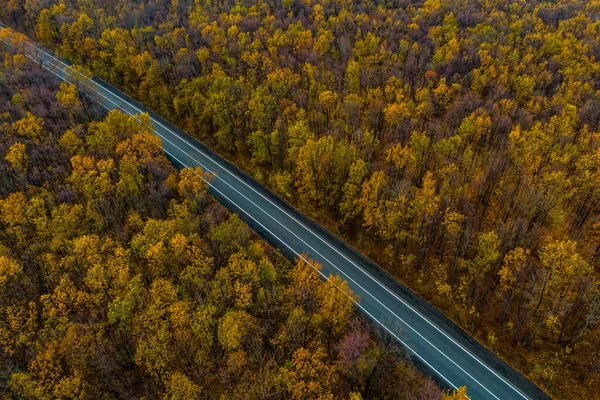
(30, 127)
(557, 288)
(304, 283)
(353, 77)
(235, 329)
(334, 307)
(101, 138)
(322, 168)
(349, 206)
(140, 148)
(19, 323)
(9, 271)
(488, 252)
(511, 275)
(91, 177)
(17, 156)
(68, 96)
(458, 394)
(425, 202)
(180, 387)
(372, 200)
(13, 215)
(71, 142)
(155, 329)
(193, 183)
(562, 264)
(401, 157)
(309, 376)
(302, 305)
(237, 283)
(45, 29)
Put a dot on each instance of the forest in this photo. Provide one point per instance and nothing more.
(120, 277)
(456, 143)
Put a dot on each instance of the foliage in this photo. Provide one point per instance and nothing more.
(456, 142)
(121, 277)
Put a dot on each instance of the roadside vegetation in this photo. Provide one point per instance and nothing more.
(454, 142)
(120, 277)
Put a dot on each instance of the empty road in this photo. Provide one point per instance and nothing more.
(436, 345)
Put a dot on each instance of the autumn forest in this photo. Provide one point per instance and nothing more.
(455, 143)
(122, 278)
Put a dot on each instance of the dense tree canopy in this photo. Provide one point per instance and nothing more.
(120, 277)
(456, 142)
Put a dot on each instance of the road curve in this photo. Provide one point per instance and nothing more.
(440, 348)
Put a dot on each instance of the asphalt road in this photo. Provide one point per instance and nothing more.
(436, 345)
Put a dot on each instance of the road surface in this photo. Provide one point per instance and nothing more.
(436, 345)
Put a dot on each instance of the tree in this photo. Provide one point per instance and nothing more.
(91, 177)
(334, 308)
(121, 277)
(71, 142)
(180, 387)
(219, 108)
(156, 339)
(230, 236)
(297, 136)
(9, 271)
(322, 169)
(305, 279)
(308, 377)
(561, 264)
(426, 201)
(45, 28)
(401, 157)
(30, 127)
(372, 200)
(458, 394)
(234, 330)
(352, 348)
(353, 77)
(511, 275)
(68, 96)
(17, 156)
(193, 184)
(488, 253)
(349, 206)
